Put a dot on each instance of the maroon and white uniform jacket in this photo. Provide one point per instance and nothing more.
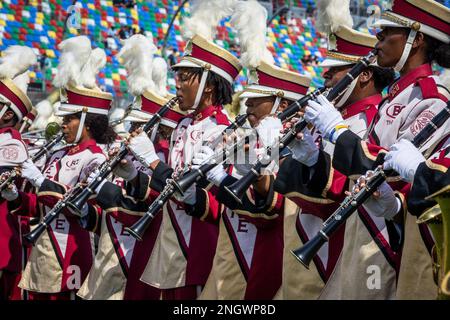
(317, 192)
(13, 152)
(63, 255)
(121, 259)
(249, 233)
(412, 102)
(185, 246)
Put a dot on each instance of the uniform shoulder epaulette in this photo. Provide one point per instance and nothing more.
(429, 89)
(14, 133)
(221, 118)
(95, 148)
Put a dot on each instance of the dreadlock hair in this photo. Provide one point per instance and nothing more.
(222, 90)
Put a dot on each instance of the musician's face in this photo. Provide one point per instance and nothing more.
(258, 108)
(187, 85)
(334, 74)
(70, 127)
(391, 42)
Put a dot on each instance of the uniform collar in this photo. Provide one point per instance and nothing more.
(82, 146)
(205, 113)
(361, 106)
(408, 79)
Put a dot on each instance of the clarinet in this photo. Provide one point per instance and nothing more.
(238, 188)
(182, 183)
(108, 166)
(11, 175)
(306, 253)
(34, 235)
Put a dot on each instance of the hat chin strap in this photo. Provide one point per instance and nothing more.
(348, 92)
(406, 50)
(275, 105)
(154, 132)
(22, 127)
(80, 127)
(200, 89)
(4, 109)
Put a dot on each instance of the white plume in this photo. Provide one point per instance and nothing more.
(16, 60)
(249, 19)
(137, 57)
(45, 111)
(205, 16)
(332, 14)
(75, 53)
(21, 81)
(96, 61)
(159, 76)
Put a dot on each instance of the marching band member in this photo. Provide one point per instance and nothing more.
(14, 106)
(249, 231)
(120, 260)
(182, 257)
(63, 255)
(301, 175)
(414, 34)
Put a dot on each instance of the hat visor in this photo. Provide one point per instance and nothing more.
(185, 64)
(137, 116)
(249, 94)
(386, 23)
(61, 113)
(328, 63)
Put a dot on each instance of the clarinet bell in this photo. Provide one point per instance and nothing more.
(33, 236)
(306, 253)
(237, 189)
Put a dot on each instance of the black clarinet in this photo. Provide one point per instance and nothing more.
(108, 166)
(306, 253)
(237, 189)
(182, 183)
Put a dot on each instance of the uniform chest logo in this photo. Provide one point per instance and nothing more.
(72, 163)
(10, 153)
(421, 121)
(394, 110)
(196, 135)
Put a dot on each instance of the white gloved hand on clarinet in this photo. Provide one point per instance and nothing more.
(325, 117)
(215, 175)
(404, 158)
(305, 150)
(142, 148)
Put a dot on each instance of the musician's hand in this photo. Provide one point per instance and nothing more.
(269, 130)
(126, 169)
(10, 193)
(189, 196)
(383, 202)
(305, 150)
(142, 148)
(403, 158)
(32, 173)
(325, 117)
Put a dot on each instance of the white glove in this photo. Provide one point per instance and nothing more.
(217, 174)
(32, 173)
(324, 116)
(189, 197)
(142, 148)
(91, 178)
(269, 130)
(10, 193)
(404, 158)
(305, 151)
(386, 205)
(127, 171)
